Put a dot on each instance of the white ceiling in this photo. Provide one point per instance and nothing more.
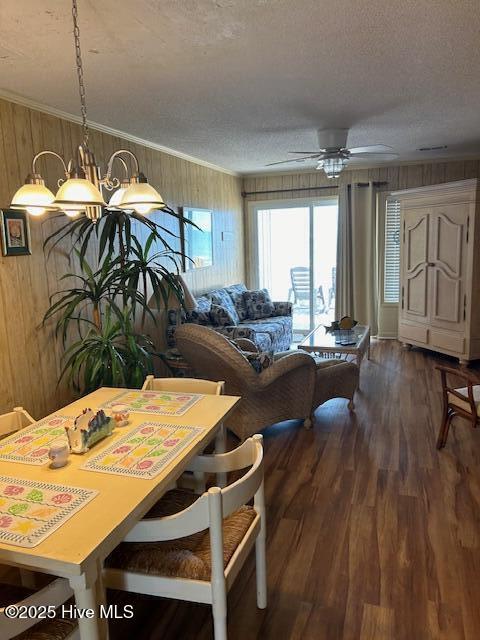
(238, 83)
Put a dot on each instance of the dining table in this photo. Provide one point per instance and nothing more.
(76, 550)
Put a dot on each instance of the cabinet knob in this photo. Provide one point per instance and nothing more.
(430, 264)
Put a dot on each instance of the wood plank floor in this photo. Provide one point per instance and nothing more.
(372, 534)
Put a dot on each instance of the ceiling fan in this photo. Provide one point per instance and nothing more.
(333, 154)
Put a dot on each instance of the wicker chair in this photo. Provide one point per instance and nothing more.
(291, 388)
(463, 402)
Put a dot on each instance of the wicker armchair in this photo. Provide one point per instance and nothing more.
(291, 388)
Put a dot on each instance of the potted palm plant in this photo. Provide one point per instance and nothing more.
(101, 316)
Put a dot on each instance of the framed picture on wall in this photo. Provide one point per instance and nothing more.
(15, 233)
(197, 238)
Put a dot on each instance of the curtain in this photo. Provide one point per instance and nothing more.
(356, 282)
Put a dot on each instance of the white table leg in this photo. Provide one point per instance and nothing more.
(221, 447)
(101, 594)
(27, 578)
(84, 590)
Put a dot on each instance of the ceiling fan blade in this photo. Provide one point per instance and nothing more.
(293, 160)
(361, 157)
(373, 148)
(318, 152)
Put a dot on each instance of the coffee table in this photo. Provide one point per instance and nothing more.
(329, 345)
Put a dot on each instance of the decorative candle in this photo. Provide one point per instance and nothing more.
(120, 413)
(58, 454)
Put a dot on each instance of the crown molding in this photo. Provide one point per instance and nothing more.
(459, 187)
(64, 115)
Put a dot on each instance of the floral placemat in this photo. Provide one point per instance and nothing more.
(159, 402)
(31, 444)
(144, 452)
(30, 511)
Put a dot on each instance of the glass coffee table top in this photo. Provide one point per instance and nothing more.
(338, 342)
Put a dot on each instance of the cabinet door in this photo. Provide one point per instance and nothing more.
(414, 301)
(447, 257)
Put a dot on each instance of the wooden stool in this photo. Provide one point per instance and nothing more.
(463, 401)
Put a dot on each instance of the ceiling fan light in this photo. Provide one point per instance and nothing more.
(333, 167)
(142, 198)
(34, 197)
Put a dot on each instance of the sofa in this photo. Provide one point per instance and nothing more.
(237, 312)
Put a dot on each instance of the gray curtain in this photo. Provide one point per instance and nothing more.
(356, 287)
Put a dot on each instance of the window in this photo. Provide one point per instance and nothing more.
(391, 281)
(296, 246)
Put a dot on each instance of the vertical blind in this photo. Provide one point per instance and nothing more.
(391, 281)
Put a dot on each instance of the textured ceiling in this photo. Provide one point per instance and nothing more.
(238, 83)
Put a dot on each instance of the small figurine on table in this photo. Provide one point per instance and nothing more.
(88, 429)
(345, 324)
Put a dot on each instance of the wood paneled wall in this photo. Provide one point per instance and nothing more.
(29, 358)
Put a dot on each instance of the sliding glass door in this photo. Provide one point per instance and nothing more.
(296, 257)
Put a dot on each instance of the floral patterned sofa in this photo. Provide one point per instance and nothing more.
(236, 312)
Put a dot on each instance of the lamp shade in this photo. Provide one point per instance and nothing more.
(117, 197)
(142, 198)
(77, 193)
(36, 199)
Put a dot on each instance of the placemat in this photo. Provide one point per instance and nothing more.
(31, 444)
(144, 452)
(160, 402)
(30, 511)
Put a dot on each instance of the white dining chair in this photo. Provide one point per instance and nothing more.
(195, 554)
(194, 385)
(54, 595)
(185, 385)
(14, 420)
(10, 423)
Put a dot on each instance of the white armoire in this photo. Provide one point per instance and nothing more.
(440, 268)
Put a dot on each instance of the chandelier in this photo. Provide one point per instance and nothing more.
(81, 190)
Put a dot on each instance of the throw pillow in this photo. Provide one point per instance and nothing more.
(220, 316)
(259, 304)
(222, 298)
(201, 314)
(258, 360)
(235, 291)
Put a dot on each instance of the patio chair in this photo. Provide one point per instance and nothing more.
(331, 290)
(300, 289)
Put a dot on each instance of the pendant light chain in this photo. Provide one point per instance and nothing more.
(81, 84)
(80, 192)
